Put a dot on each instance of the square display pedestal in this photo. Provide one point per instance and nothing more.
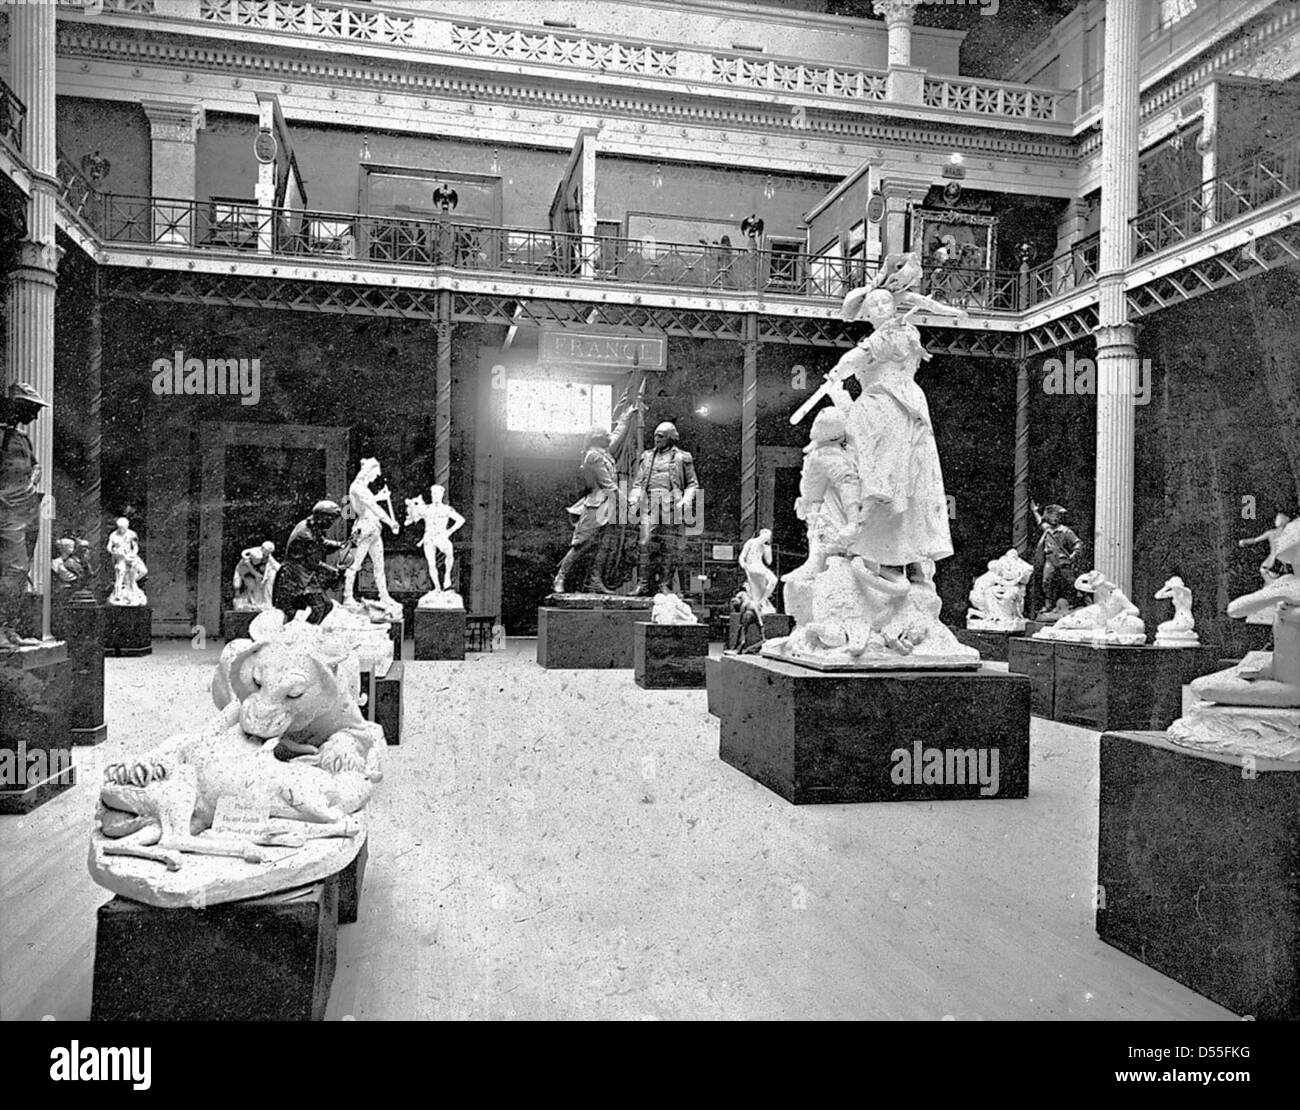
(820, 736)
(594, 637)
(381, 700)
(774, 625)
(1196, 870)
(264, 959)
(990, 645)
(1037, 659)
(235, 622)
(439, 633)
(35, 746)
(83, 625)
(669, 656)
(128, 630)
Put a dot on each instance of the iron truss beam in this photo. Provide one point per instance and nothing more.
(1062, 331)
(487, 308)
(1267, 251)
(973, 344)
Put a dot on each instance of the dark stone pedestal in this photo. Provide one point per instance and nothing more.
(83, 624)
(350, 880)
(816, 736)
(1196, 870)
(713, 685)
(440, 634)
(669, 656)
(35, 748)
(774, 625)
(1036, 659)
(385, 707)
(128, 629)
(265, 959)
(1106, 686)
(397, 633)
(235, 622)
(990, 645)
(588, 638)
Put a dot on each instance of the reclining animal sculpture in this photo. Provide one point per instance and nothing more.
(1111, 619)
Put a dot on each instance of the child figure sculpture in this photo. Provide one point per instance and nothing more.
(128, 567)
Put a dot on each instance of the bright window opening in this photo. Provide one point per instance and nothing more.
(545, 407)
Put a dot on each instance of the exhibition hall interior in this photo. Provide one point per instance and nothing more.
(618, 509)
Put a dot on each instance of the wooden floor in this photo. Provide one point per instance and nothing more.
(564, 844)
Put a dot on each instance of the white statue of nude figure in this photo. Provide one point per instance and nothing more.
(1180, 629)
(368, 538)
(440, 522)
(128, 567)
(1252, 710)
(1111, 619)
(997, 597)
(754, 560)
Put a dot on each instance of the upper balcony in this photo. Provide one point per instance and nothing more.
(13, 114)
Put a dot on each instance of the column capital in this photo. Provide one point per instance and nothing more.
(1116, 338)
(176, 122)
(894, 12)
(35, 259)
(899, 186)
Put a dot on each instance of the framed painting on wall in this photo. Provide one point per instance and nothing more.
(954, 239)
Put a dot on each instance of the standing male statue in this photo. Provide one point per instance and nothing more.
(368, 535)
(664, 491)
(20, 506)
(595, 512)
(1055, 557)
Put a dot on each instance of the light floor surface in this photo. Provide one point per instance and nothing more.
(564, 844)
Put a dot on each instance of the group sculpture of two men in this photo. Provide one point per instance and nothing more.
(662, 495)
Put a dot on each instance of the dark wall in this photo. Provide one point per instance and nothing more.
(118, 131)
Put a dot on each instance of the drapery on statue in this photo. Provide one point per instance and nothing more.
(866, 596)
(440, 522)
(595, 532)
(128, 567)
(254, 577)
(368, 537)
(20, 507)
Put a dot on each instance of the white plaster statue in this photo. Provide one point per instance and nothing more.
(368, 537)
(254, 577)
(128, 567)
(1270, 569)
(1110, 619)
(754, 560)
(263, 797)
(440, 522)
(872, 493)
(1180, 629)
(1252, 710)
(668, 608)
(997, 596)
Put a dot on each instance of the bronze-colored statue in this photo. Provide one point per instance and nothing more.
(1055, 558)
(304, 575)
(20, 506)
(595, 512)
(664, 491)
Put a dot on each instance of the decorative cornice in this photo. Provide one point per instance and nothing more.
(79, 40)
(170, 122)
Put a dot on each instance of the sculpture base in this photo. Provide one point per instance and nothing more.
(235, 622)
(1104, 686)
(1091, 636)
(1196, 871)
(587, 638)
(919, 736)
(990, 644)
(441, 599)
(268, 959)
(35, 748)
(128, 630)
(980, 624)
(439, 634)
(350, 880)
(1177, 639)
(1240, 732)
(669, 656)
(83, 624)
(385, 703)
(775, 625)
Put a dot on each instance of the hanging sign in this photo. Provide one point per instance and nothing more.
(613, 350)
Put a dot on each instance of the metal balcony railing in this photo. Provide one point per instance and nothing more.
(1063, 274)
(1265, 177)
(13, 114)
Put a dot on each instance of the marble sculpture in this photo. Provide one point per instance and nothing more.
(367, 537)
(128, 567)
(1111, 618)
(254, 577)
(755, 560)
(997, 597)
(1180, 629)
(440, 522)
(668, 608)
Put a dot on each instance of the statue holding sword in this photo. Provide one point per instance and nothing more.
(367, 538)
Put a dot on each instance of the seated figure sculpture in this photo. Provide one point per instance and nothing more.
(254, 577)
(128, 567)
(1252, 710)
(288, 744)
(997, 596)
(668, 608)
(1180, 629)
(1110, 619)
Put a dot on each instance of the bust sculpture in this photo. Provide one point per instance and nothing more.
(1111, 618)
(71, 569)
(128, 567)
(755, 559)
(872, 492)
(1252, 710)
(440, 522)
(367, 539)
(668, 608)
(997, 597)
(254, 577)
(1180, 629)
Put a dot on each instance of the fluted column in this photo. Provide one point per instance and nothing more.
(749, 429)
(91, 515)
(442, 394)
(32, 283)
(1020, 476)
(1116, 350)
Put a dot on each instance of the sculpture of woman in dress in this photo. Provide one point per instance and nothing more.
(754, 560)
(440, 521)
